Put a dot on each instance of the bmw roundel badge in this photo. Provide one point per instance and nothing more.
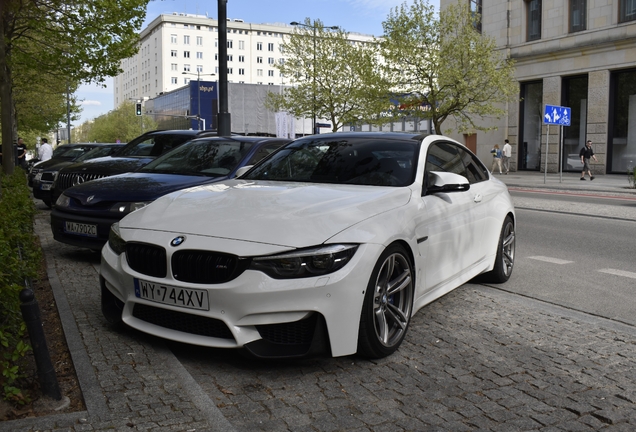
(177, 241)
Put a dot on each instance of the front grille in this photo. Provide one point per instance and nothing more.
(183, 322)
(206, 267)
(147, 259)
(66, 180)
(293, 333)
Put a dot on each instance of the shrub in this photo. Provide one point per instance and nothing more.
(631, 177)
(20, 257)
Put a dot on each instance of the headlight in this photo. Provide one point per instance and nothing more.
(116, 243)
(124, 208)
(63, 201)
(302, 263)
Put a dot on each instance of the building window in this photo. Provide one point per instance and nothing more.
(627, 10)
(259, 59)
(531, 119)
(241, 71)
(230, 57)
(186, 80)
(270, 47)
(229, 44)
(229, 71)
(173, 80)
(186, 68)
(241, 44)
(186, 40)
(199, 68)
(577, 15)
(199, 54)
(534, 19)
(270, 60)
(199, 40)
(216, 56)
(259, 46)
(270, 73)
(173, 39)
(173, 66)
(475, 9)
(241, 59)
(574, 96)
(173, 53)
(259, 72)
(186, 54)
(621, 147)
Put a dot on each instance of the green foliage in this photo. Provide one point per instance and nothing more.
(119, 124)
(631, 177)
(331, 77)
(446, 64)
(20, 259)
(49, 47)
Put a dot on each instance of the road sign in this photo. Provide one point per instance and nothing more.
(323, 125)
(557, 115)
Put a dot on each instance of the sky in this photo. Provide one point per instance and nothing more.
(360, 16)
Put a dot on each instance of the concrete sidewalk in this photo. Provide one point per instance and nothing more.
(610, 183)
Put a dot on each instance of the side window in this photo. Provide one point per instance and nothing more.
(264, 151)
(445, 157)
(475, 171)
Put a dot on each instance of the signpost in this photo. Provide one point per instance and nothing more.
(556, 115)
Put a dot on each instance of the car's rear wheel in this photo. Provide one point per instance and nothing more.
(388, 304)
(505, 259)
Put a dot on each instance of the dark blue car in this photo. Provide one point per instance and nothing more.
(83, 214)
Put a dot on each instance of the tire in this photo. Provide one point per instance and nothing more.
(112, 307)
(388, 304)
(505, 259)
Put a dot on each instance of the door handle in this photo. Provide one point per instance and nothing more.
(478, 198)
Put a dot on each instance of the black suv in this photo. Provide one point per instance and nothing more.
(131, 157)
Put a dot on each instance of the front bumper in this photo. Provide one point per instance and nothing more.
(252, 311)
(58, 223)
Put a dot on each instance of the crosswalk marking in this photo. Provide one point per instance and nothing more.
(550, 260)
(619, 273)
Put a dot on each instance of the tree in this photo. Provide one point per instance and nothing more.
(75, 41)
(330, 76)
(444, 67)
(119, 124)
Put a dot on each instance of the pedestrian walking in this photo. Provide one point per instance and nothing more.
(496, 159)
(586, 154)
(507, 154)
(45, 152)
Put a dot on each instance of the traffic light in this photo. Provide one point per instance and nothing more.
(138, 109)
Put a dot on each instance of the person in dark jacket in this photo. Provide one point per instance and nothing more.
(586, 154)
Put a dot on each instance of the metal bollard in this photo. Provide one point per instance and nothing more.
(46, 372)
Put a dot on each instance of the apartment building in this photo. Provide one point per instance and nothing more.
(573, 53)
(177, 48)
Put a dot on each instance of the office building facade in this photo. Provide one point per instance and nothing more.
(579, 54)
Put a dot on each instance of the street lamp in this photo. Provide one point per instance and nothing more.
(314, 27)
(199, 74)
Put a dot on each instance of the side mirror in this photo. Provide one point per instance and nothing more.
(444, 182)
(242, 170)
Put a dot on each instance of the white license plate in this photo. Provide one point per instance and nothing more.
(46, 186)
(80, 229)
(170, 295)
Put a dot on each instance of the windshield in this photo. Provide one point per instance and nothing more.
(152, 145)
(362, 161)
(97, 152)
(75, 152)
(208, 157)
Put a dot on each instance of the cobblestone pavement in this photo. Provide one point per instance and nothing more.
(477, 359)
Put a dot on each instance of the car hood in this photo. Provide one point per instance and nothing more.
(134, 187)
(286, 214)
(52, 164)
(109, 165)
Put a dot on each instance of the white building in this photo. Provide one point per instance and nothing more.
(177, 43)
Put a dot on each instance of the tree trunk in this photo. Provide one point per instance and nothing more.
(6, 111)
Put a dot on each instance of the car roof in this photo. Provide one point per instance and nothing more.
(369, 135)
